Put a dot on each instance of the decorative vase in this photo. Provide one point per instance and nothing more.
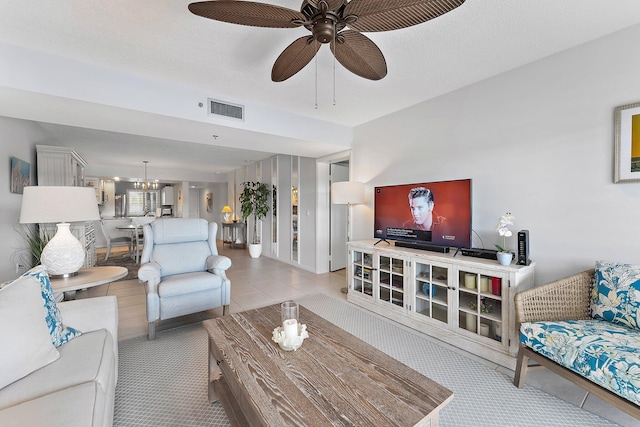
(255, 249)
(504, 258)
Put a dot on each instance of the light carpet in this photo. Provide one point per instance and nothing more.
(164, 382)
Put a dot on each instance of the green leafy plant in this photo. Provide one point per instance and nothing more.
(254, 201)
(35, 239)
(484, 307)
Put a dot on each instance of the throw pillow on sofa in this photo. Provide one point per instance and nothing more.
(616, 294)
(60, 333)
(26, 343)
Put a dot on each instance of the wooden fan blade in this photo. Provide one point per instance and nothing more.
(386, 15)
(248, 13)
(333, 4)
(294, 58)
(360, 55)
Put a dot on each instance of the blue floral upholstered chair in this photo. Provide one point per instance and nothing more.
(182, 269)
(587, 328)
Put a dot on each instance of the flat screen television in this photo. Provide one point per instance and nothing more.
(436, 213)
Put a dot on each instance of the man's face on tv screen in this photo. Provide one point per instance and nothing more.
(420, 210)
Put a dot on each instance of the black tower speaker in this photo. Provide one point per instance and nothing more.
(523, 247)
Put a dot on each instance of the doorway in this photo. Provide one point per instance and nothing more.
(338, 172)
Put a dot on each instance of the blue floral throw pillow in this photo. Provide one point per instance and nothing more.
(60, 334)
(616, 294)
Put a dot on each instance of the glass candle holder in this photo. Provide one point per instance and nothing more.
(289, 314)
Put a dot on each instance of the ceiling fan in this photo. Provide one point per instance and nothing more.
(327, 20)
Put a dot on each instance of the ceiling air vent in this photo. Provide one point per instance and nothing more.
(232, 111)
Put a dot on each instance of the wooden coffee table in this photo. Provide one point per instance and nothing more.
(333, 379)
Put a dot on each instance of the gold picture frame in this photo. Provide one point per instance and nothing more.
(627, 143)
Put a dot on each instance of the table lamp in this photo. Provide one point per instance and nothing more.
(64, 254)
(227, 213)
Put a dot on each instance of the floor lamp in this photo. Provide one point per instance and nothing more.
(347, 193)
(64, 254)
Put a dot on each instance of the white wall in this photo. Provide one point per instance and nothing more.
(19, 139)
(537, 141)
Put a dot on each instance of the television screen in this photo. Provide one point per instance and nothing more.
(431, 212)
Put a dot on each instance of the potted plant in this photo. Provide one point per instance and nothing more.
(484, 307)
(504, 255)
(254, 201)
(35, 239)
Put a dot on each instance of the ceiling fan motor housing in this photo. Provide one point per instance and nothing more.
(324, 29)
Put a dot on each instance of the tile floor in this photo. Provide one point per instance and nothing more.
(264, 281)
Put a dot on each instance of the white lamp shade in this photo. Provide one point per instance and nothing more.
(52, 204)
(64, 254)
(347, 193)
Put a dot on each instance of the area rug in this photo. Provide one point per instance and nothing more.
(164, 382)
(120, 257)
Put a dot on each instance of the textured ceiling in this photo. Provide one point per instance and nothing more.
(161, 39)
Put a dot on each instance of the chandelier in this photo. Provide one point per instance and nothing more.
(146, 184)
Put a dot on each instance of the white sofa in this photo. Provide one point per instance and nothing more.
(78, 387)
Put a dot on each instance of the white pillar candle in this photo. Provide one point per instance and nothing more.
(290, 327)
(470, 281)
(484, 329)
(484, 284)
(471, 322)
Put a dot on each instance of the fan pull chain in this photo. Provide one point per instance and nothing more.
(316, 63)
(335, 50)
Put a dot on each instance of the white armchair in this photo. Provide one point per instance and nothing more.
(182, 269)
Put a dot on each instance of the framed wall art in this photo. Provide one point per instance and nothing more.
(209, 198)
(20, 175)
(627, 143)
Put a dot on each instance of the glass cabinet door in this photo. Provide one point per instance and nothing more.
(391, 282)
(362, 276)
(431, 290)
(480, 309)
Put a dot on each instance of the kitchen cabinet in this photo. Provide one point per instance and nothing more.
(168, 196)
(96, 184)
(59, 166)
